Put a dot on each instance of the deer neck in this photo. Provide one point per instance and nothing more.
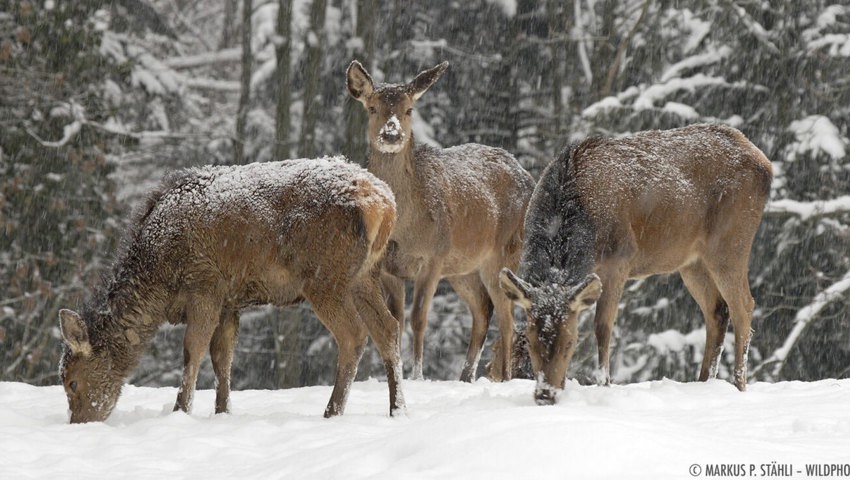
(399, 171)
(135, 311)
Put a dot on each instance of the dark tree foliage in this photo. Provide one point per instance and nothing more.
(59, 211)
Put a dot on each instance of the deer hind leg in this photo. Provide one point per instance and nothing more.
(472, 291)
(603, 322)
(337, 313)
(423, 293)
(715, 311)
(735, 288)
(393, 288)
(384, 330)
(221, 353)
(202, 318)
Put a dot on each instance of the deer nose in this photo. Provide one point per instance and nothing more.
(544, 396)
(391, 131)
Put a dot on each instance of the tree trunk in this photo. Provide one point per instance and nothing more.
(558, 15)
(354, 115)
(228, 28)
(245, 90)
(314, 41)
(284, 79)
(604, 51)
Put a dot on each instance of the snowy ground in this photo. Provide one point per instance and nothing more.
(653, 430)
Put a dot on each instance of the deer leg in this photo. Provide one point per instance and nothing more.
(472, 291)
(423, 292)
(715, 311)
(735, 289)
(393, 288)
(202, 318)
(384, 331)
(337, 313)
(603, 322)
(504, 310)
(221, 353)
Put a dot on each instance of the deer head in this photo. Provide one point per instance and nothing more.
(552, 330)
(91, 383)
(390, 107)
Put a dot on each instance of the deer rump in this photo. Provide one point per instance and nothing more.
(212, 240)
(687, 200)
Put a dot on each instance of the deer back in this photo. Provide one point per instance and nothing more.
(674, 190)
(266, 227)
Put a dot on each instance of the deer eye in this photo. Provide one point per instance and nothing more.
(73, 386)
(409, 112)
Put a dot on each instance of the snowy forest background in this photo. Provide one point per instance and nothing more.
(98, 99)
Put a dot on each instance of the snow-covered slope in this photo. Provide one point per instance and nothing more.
(653, 430)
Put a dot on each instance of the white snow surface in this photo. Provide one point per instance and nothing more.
(653, 430)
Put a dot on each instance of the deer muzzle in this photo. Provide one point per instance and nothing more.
(391, 132)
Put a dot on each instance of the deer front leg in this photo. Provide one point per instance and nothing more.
(221, 353)
(202, 317)
(606, 315)
(503, 356)
(423, 293)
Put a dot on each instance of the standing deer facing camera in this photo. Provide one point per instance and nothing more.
(213, 240)
(687, 200)
(460, 216)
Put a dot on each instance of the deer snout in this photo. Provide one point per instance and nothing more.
(544, 392)
(391, 132)
(544, 396)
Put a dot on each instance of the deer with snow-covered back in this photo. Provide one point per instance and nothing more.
(688, 200)
(213, 240)
(460, 216)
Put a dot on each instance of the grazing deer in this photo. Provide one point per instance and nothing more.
(213, 240)
(687, 200)
(460, 216)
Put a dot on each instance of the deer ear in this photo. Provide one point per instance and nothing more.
(74, 332)
(359, 82)
(585, 294)
(516, 289)
(424, 80)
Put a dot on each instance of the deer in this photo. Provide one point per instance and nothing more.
(212, 240)
(460, 217)
(686, 200)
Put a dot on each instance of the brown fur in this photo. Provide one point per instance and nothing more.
(687, 200)
(460, 216)
(284, 232)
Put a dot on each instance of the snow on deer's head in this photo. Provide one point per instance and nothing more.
(552, 328)
(390, 106)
